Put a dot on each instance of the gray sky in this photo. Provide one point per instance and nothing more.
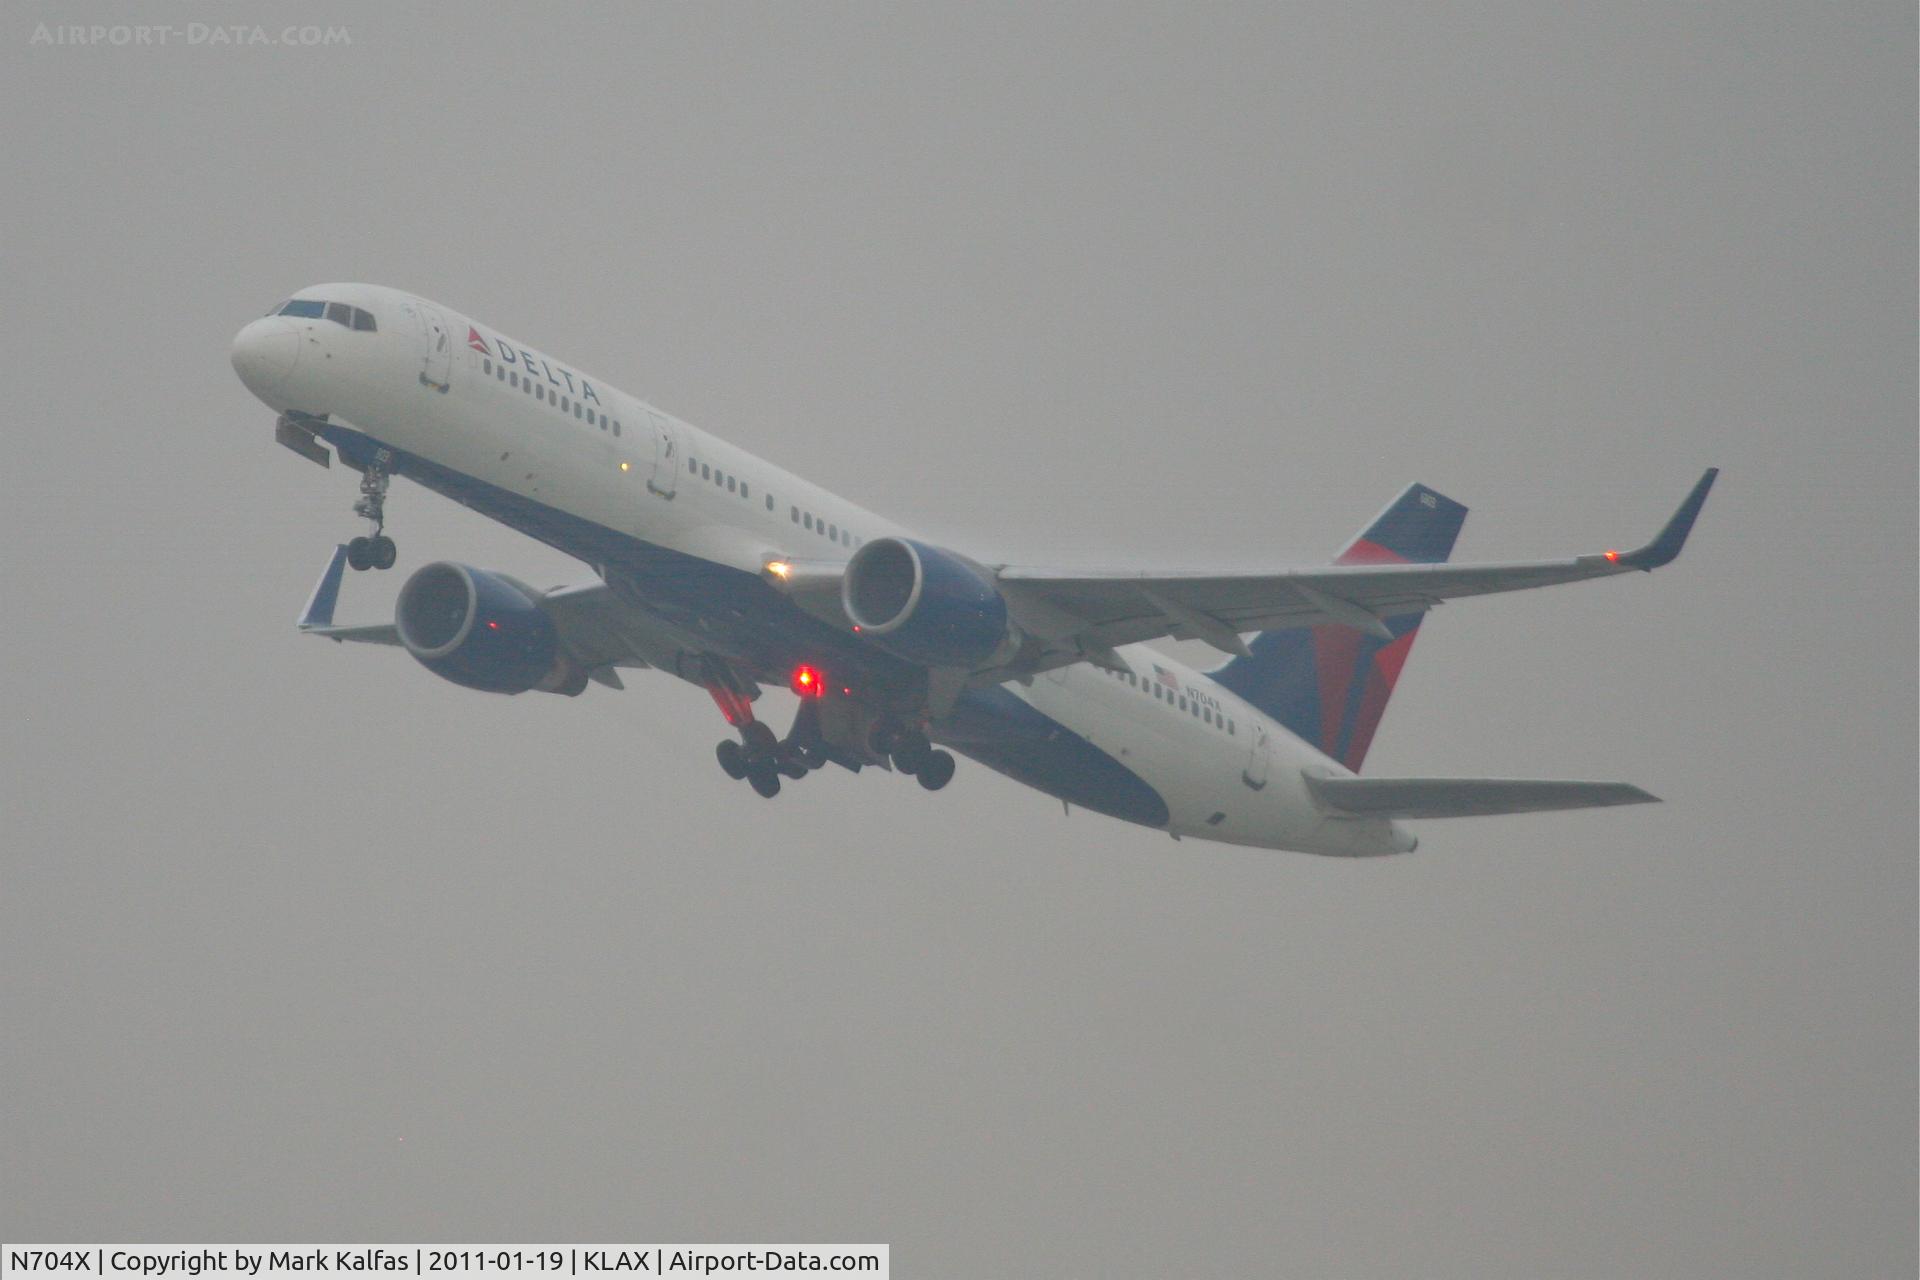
(300, 942)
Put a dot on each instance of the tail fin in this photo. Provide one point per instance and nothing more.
(1330, 684)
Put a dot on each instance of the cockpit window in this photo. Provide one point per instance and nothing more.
(338, 312)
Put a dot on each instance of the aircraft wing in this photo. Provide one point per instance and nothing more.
(1084, 615)
(317, 618)
(595, 627)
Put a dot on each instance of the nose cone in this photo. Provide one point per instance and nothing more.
(264, 353)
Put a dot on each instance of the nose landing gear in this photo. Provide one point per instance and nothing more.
(378, 551)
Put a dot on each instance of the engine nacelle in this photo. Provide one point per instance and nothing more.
(927, 605)
(482, 630)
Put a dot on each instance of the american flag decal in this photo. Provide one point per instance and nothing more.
(1165, 677)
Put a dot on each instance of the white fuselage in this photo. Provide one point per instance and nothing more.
(523, 422)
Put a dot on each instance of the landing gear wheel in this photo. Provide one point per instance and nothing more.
(813, 757)
(793, 767)
(764, 780)
(760, 742)
(911, 751)
(377, 551)
(937, 772)
(733, 760)
(884, 738)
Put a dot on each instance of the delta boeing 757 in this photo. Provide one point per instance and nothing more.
(726, 571)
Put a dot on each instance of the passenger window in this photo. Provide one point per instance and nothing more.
(513, 378)
(743, 490)
(833, 533)
(486, 366)
(616, 426)
(795, 511)
(731, 486)
(500, 372)
(706, 472)
(540, 392)
(769, 502)
(363, 320)
(563, 404)
(807, 520)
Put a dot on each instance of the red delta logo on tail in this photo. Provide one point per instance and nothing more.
(477, 342)
(1329, 684)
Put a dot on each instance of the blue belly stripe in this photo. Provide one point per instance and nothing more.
(768, 634)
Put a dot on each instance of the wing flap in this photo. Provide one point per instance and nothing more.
(1466, 797)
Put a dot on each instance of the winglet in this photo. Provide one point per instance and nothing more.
(1666, 546)
(319, 610)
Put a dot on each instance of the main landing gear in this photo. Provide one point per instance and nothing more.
(763, 760)
(911, 753)
(378, 551)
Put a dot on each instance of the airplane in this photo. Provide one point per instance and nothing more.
(720, 568)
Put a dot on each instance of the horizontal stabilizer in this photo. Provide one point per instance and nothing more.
(1465, 797)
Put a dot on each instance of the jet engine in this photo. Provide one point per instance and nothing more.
(927, 605)
(482, 630)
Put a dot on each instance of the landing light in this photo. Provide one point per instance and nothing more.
(626, 466)
(779, 569)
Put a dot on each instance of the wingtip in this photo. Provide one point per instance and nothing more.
(1666, 547)
(319, 610)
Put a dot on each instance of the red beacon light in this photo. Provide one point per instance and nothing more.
(808, 682)
(1613, 557)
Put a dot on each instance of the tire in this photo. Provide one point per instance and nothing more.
(794, 767)
(764, 780)
(937, 772)
(913, 753)
(384, 552)
(814, 757)
(360, 553)
(760, 740)
(733, 761)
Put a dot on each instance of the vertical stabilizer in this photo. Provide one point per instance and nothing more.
(1329, 684)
